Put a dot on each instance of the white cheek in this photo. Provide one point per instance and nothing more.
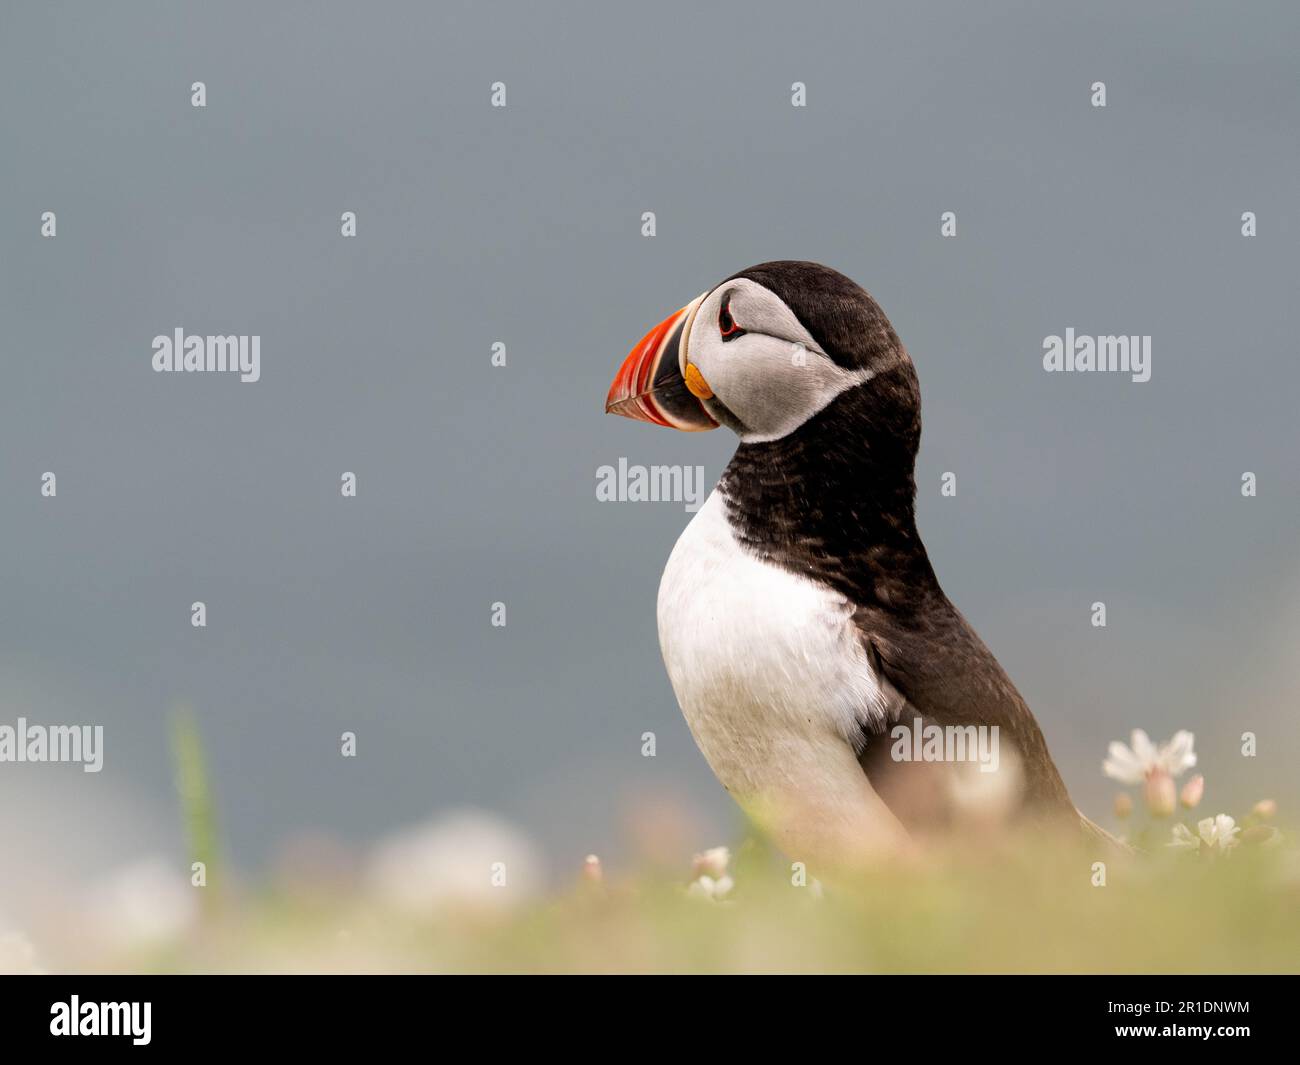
(773, 386)
(790, 411)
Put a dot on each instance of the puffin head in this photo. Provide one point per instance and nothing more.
(765, 352)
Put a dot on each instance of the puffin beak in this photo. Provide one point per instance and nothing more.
(652, 384)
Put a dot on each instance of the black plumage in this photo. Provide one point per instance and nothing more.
(834, 501)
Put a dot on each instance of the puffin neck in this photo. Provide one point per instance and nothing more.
(834, 496)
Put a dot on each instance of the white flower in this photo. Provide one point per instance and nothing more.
(1219, 831)
(145, 903)
(706, 887)
(17, 957)
(1132, 765)
(982, 799)
(1216, 833)
(712, 863)
(463, 859)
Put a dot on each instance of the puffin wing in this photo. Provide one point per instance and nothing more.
(941, 673)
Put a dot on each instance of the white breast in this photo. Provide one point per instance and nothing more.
(767, 666)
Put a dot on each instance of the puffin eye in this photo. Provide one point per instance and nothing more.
(727, 326)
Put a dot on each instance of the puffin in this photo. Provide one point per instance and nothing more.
(800, 621)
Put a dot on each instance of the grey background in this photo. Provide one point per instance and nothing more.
(478, 484)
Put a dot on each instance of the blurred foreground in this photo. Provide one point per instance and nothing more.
(466, 892)
(980, 909)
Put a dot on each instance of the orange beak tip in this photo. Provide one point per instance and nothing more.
(649, 385)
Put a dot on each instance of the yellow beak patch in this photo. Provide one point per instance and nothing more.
(695, 383)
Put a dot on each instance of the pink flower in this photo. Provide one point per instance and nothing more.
(713, 863)
(1162, 795)
(1192, 792)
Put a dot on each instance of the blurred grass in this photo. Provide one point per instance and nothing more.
(1006, 908)
(984, 904)
(198, 808)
